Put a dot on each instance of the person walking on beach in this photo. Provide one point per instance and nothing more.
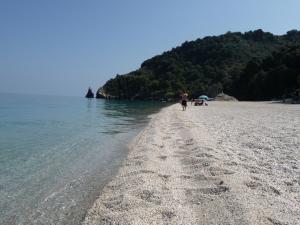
(184, 99)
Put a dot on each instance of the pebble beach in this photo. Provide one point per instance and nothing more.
(226, 163)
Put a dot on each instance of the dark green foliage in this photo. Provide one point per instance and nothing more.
(276, 76)
(255, 65)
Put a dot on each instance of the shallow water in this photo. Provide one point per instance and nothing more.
(56, 153)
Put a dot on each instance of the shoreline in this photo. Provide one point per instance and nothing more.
(228, 163)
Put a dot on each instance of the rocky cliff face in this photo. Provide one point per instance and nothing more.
(224, 97)
(100, 93)
(89, 94)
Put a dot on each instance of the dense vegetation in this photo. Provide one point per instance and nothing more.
(255, 65)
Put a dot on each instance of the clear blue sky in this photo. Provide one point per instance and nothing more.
(60, 47)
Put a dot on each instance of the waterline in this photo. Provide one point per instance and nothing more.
(57, 153)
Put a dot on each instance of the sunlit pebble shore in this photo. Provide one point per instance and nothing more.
(228, 163)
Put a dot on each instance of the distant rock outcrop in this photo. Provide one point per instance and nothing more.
(224, 97)
(89, 94)
(102, 94)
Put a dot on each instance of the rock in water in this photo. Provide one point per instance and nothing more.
(89, 94)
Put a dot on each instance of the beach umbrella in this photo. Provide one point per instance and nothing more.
(204, 97)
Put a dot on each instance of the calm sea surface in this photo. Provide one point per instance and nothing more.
(56, 153)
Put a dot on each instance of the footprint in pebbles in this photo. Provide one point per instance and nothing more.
(253, 184)
(214, 190)
(203, 195)
(162, 157)
(165, 177)
(114, 202)
(189, 161)
(189, 141)
(150, 196)
(217, 171)
(167, 214)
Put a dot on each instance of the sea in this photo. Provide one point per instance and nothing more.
(57, 153)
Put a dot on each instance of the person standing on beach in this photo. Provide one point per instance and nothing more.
(184, 99)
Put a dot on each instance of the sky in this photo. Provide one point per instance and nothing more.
(61, 47)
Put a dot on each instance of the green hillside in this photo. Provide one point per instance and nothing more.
(255, 65)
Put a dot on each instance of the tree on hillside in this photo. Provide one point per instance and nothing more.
(256, 65)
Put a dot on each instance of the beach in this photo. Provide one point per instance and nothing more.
(226, 163)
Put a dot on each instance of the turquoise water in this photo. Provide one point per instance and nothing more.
(56, 153)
